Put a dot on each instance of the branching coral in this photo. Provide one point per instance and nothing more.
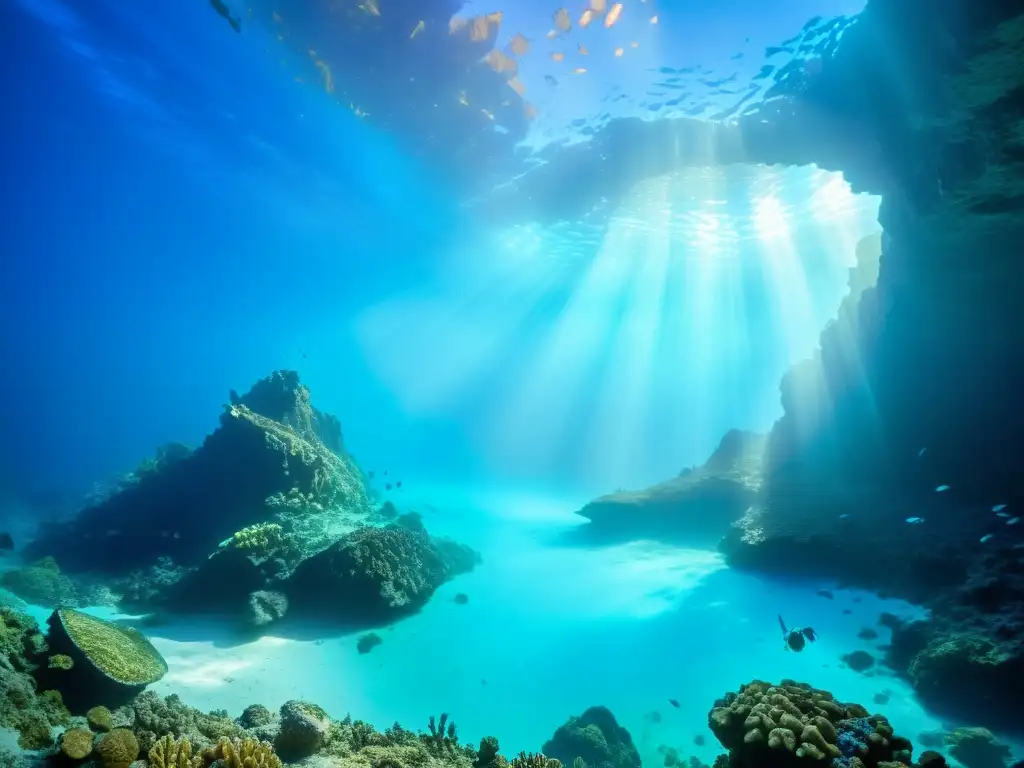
(242, 753)
(443, 737)
(155, 717)
(169, 752)
(534, 760)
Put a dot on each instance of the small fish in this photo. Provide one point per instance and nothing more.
(417, 29)
(582, 49)
(674, 703)
(1002, 514)
(520, 45)
(847, 612)
(844, 516)
(921, 452)
(613, 15)
(387, 487)
(398, 484)
(826, 594)
(654, 19)
(619, 51)
(223, 11)
(942, 489)
(586, 18)
(580, 71)
(987, 538)
(370, 7)
(915, 520)
(998, 507)
(557, 56)
(550, 80)
(1013, 521)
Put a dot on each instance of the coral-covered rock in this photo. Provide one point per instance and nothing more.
(696, 508)
(41, 583)
(376, 573)
(111, 663)
(305, 729)
(597, 738)
(796, 726)
(274, 458)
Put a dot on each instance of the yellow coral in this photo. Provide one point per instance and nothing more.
(118, 748)
(100, 719)
(245, 753)
(168, 753)
(76, 743)
(60, 661)
(262, 538)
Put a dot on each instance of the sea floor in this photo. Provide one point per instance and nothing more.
(549, 630)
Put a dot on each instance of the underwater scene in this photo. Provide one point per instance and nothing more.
(533, 384)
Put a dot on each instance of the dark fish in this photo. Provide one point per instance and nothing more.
(674, 703)
(387, 487)
(223, 11)
(698, 740)
(398, 484)
(370, 474)
(847, 612)
(550, 80)
(826, 594)
(461, 598)
(795, 641)
(6, 542)
(810, 634)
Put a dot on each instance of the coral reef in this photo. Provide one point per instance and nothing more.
(793, 724)
(33, 715)
(377, 573)
(596, 738)
(111, 663)
(695, 508)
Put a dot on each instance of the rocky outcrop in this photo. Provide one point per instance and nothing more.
(273, 457)
(696, 508)
(911, 408)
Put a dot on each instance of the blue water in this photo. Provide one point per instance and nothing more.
(189, 211)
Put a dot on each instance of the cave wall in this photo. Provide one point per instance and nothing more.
(922, 387)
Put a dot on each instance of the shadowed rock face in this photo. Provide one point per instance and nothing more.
(917, 384)
(271, 446)
(695, 509)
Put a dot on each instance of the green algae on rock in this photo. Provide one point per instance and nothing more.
(121, 653)
(112, 664)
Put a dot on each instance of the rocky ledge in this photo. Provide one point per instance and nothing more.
(696, 508)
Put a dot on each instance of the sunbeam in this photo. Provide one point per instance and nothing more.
(704, 288)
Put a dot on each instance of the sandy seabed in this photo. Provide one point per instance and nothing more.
(548, 631)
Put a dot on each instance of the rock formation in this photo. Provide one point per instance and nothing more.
(696, 508)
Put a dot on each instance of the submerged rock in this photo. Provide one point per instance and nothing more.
(273, 458)
(596, 738)
(696, 508)
(376, 574)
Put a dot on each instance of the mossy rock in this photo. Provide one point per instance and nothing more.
(112, 664)
(120, 653)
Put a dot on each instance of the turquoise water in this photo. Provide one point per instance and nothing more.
(548, 631)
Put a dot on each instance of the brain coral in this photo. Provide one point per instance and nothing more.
(77, 743)
(121, 654)
(793, 725)
(118, 748)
